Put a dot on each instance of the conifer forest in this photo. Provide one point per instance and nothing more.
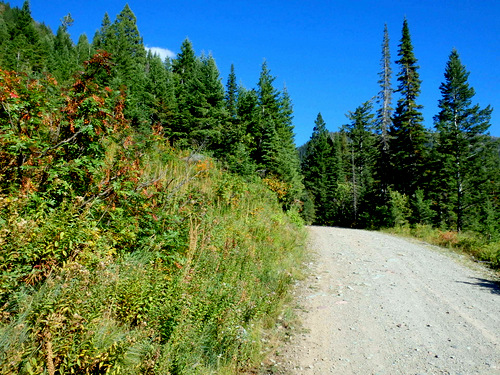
(152, 212)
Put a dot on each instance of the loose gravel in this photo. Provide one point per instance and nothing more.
(379, 304)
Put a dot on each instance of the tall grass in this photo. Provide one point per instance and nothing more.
(181, 273)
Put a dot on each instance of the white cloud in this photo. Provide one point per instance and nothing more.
(162, 52)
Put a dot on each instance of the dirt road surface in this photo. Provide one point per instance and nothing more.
(378, 304)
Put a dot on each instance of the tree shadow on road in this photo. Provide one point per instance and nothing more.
(492, 285)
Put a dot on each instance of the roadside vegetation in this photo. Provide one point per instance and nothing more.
(121, 254)
(483, 249)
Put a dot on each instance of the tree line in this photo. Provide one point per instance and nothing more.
(384, 168)
(249, 131)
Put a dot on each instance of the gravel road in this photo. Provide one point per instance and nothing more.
(379, 304)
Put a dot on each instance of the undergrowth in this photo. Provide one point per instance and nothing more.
(182, 279)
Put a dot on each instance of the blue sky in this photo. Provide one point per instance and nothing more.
(327, 53)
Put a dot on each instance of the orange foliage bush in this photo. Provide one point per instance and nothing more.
(448, 238)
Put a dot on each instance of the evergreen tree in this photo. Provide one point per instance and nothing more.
(247, 119)
(84, 50)
(384, 119)
(231, 94)
(201, 114)
(234, 146)
(384, 113)
(340, 206)
(159, 92)
(129, 53)
(461, 143)
(65, 62)
(273, 144)
(362, 155)
(264, 134)
(103, 38)
(5, 44)
(315, 168)
(184, 69)
(212, 114)
(408, 136)
(288, 163)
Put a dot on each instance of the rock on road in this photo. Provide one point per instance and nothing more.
(378, 304)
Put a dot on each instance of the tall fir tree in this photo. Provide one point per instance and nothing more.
(288, 158)
(273, 147)
(65, 61)
(408, 135)
(234, 146)
(362, 156)
(264, 134)
(201, 113)
(384, 118)
(159, 91)
(129, 52)
(103, 38)
(231, 97)
(129, 56)
(84, 50)
(315, 168)
(212, 113)
(25, 50)
(184, 68)
(461, 127)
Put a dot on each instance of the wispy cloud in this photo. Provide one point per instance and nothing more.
(162, 52)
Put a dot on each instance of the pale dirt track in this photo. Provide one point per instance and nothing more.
(378, 304)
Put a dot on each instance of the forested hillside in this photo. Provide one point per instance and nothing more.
(183, 99)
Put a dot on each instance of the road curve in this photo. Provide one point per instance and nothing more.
(379, 304)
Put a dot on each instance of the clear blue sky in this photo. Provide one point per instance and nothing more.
(326, 52)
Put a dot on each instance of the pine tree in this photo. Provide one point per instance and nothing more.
(5, 43)
(362, 155)
(273, 147)
(212, 114)
(384, 119)
(264, 134)
(159, 92)
(234, 146)
(103, 38)
(247, 113)
(201, 114)
(288, 162)
(231, 93)
(461, 142)
(65, 62)
(339, 209)
(129, 56)
(129, 52)
(408, 136)
(384, 113)
(84, 50)
(315, 169)
(184, 70)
